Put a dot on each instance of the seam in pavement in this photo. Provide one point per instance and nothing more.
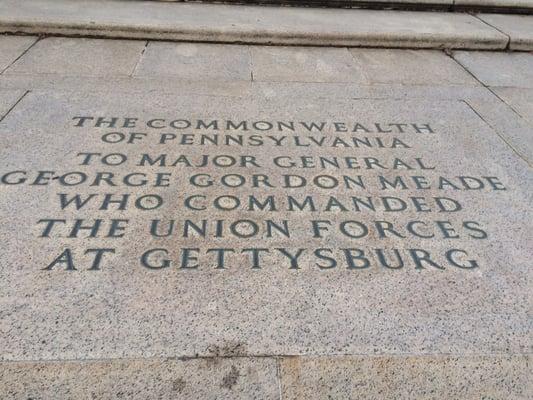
(270, 356)
(507, 104)
(489, 89)
(141, 56)
(250, 54)
(510, 106)
(508, 45)
(529, 163)
(278, 374)
(14, 105)
(20, 55)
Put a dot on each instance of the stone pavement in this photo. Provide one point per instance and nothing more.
(217, 221)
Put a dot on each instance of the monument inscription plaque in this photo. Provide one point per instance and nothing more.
(183, 226)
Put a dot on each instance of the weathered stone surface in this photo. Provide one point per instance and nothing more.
(125, 309)
(521, 100)
(160, 70)
(196, 61)
(514, 130)
(404, 377)
(130, 85)
(518, 27)
(304, 64)
(363, 66)
(512, 118)
(168, 85)
(499, 69)
(69, 56)
(8, 98)
(377, 2)
(409, 67)
(12, 47)
(249, 24)
(235, 378)
(496, 3)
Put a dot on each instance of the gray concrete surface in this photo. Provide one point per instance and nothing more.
(520, 100)
(498, 68)
(80, 57)
(236, 378)
(304, 64)
(359, 377)
(496, 3)
(518, 27)
(410, 67)
(193, 61)
(8, 99)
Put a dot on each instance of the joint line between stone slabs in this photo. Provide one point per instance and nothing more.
(529, 163)
(279, 357)
(66, 91)
(449, 53)
(251, 63)
(495, 94)
(20, 56)
(14, 105)
(508, 45)
(278, 375)
(510, 106)
(152, 358)
(139, 59)
(488, 88)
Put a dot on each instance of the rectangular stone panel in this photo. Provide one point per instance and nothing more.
(404, 377)
(498, 68)
(195, 61)
(409, 67)
(154, 225)
(222, 378)
(518, 27)
(304, 64)
(80, 57)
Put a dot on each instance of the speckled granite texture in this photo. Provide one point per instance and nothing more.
(221, 247)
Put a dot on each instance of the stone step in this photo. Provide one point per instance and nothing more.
(450, 5)
(266, 25)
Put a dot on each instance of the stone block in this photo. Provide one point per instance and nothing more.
(520, 100)
(519, 28)
(290, 259)
(498, 68)
(409, 67)
(406, 377)
(8, 98)
(217, 378)
(80, 57)
(304, 64)
(196, 61)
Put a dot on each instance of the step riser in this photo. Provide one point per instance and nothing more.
(197, 22)
(492, 6)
